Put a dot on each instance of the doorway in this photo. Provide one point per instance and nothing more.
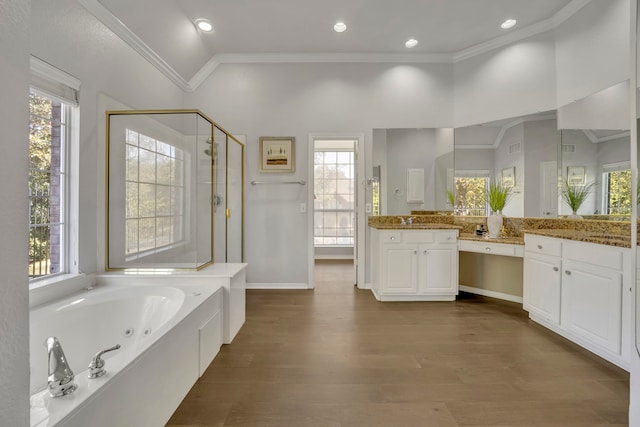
(334, 202)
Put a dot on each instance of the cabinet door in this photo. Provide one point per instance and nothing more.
(400, 269)
(438, 270)
(592, 304)
(542, 281)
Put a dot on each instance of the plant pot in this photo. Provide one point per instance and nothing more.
(494, 224)
(574, 215)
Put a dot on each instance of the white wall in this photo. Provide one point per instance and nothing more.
(65, 35)
(296, 100)
(541, 141)
(605, 109)
(508, 82)
(503, 159)
(592, 50)
(14, 303)
(409, 149)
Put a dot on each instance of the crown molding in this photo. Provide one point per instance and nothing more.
(129, 37)
(513, 36)
(105, 16)
(594, 138)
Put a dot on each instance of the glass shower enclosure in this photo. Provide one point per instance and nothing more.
(174, 191)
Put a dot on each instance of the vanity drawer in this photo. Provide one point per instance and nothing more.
(419, 236)
(447, 236)
(489, 248)
(542, 245)
(391, 237)
(593, 254)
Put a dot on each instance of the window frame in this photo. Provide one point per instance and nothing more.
(607, 169)
(484, 174)
(353, 194)
(183, 232)
(69, 183)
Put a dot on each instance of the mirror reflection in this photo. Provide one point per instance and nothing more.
(521, 152)
(412, 170)
(595, 176)
(159, 179)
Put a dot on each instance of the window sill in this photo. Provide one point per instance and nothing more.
(52, 288)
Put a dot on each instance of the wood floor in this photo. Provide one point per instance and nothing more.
(335, 357)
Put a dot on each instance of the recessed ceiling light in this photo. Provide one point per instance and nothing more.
(508, 23)
(204, 25)
(339, 27)
(411, 43)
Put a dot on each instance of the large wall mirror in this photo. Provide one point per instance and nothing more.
(413, 170)
(168, 196)
(595, 155)
(522, 151)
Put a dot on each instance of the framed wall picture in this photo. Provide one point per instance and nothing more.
(277, 154)
(508, 177)
(576, 175)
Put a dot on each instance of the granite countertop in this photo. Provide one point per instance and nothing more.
(511, 240)
(601, 238)
(416, 226)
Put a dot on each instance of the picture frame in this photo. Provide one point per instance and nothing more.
(576, 175)
(277, 154)
(508, 177)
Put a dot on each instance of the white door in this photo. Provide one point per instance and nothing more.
(542, 279)
(549, 189)
(400, 269)
(437, 270)
(592, 304)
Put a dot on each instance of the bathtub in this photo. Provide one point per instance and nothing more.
(169, 330)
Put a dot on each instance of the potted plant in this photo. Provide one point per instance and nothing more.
(497, 195)
(574, 196)
(451, 198)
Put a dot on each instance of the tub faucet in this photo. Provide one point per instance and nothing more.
(96, 367)
(60, 379)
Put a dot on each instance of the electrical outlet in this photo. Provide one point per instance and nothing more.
(303, 207)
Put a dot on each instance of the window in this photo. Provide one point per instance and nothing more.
(53, 171)
(470, 193)
(616, 180)
(334, 196)
(154, 194)
(48, 185)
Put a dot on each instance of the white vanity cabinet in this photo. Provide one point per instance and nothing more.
(414, 265)
(581, 291)
(542, 277)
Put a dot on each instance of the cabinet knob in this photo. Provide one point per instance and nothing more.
(392, 238)
(539, 246)
(555, 269)
(567, 272)
(488, 249)
(415, 252)
(425, 252)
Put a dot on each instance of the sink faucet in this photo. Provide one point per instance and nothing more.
(60, 379)
(96, 367)
(407, 221)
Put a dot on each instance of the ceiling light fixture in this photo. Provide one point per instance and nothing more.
(204, 25)
(508, 24)
(339, 27)
(411, 43)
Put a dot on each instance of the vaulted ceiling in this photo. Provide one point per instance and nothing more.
(302, 30)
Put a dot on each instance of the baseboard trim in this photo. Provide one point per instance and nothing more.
(492, 294)
(330, 256)
(278, 286)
